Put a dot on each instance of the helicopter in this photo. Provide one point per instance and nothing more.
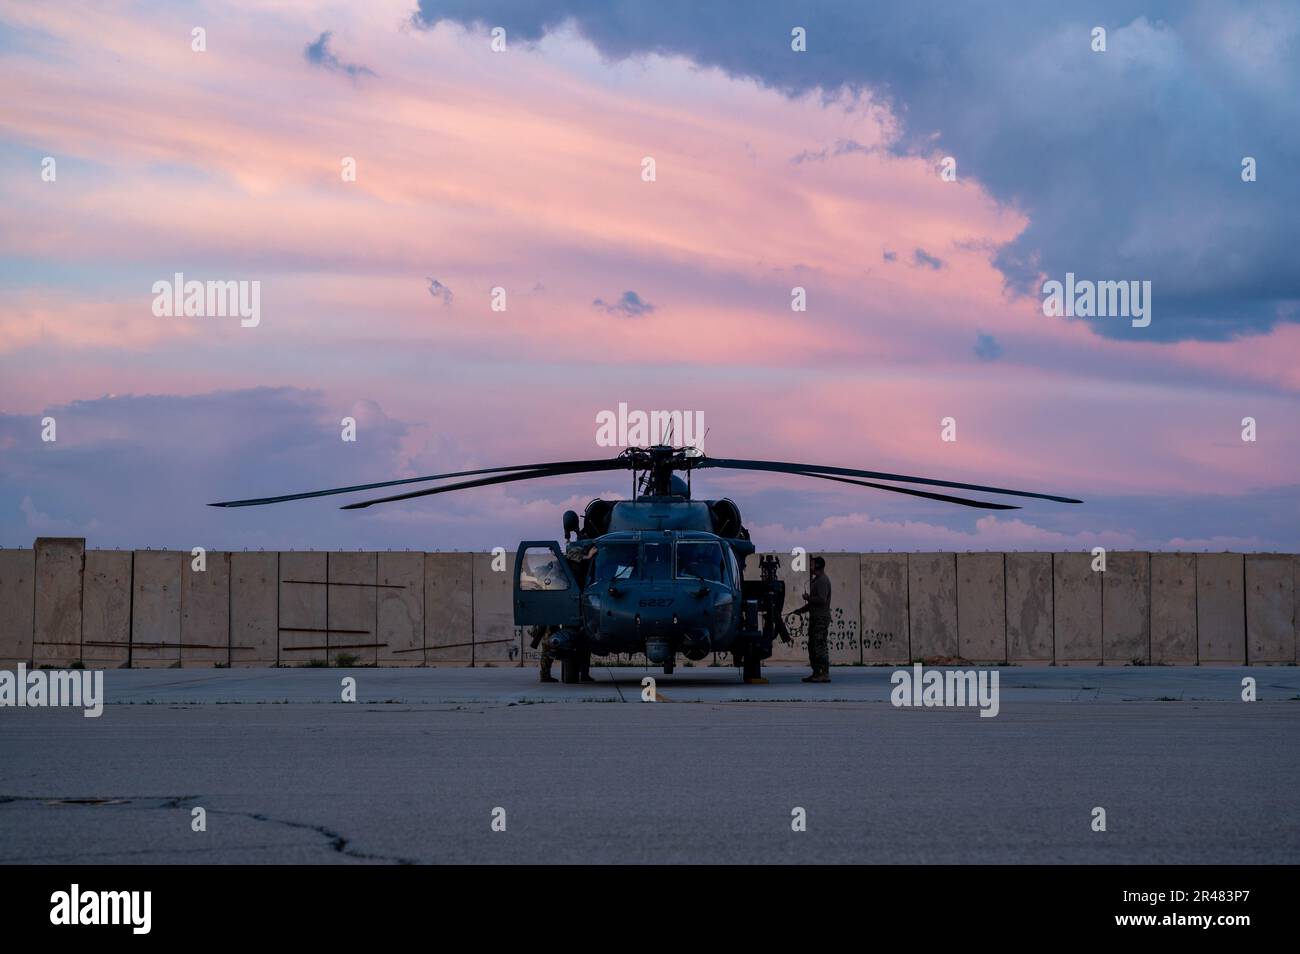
(660, 573)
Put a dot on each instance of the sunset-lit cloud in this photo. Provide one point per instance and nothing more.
(522, 171)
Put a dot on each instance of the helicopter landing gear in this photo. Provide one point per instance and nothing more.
(750, 665)
(669, 666)
(575, 667)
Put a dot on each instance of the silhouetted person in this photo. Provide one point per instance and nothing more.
(817, 604)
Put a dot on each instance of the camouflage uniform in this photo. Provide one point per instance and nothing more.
(818, 607)
(543, 634)
(819, 653)
(576, 553)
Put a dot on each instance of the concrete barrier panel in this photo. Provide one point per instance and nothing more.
(1220, 608)
(448, 609)
(497, 641)
(1077, 597)
(883, 608)
(932, 604)
(981, 607)
(1030, 609)
(1126, 609)
(57, 632)
(845, 572)
(1270, 608)
(1173, 609)
(156, 608)
(303, 608)
(205, 611)
(106, 609)
(353, 615)
(17, 605)
(254, 608)
(401, 609)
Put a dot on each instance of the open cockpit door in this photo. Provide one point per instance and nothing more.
(546, 594)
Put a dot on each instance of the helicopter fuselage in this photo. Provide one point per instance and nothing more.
(656, 583)
(662, 592)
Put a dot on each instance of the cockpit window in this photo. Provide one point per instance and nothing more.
(658, 561)
(541, 570)
(700, 560)
(616, 561)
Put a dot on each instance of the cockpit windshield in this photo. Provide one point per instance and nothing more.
(702, 560)
(658, 560)
(616, 561)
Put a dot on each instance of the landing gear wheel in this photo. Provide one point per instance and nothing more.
(570, 671)
(668, 667)
(753, 669)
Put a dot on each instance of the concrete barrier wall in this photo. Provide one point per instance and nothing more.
(1030, 609)
(1076, 591)
(845, 573)
(60, 604)
(449, 608)
(56, 634)
(353, 608)
(17, 605)
(399, 613)
(1270, 608)
(886, 631)
(156, 608)
(1126, 609)
(1173, 609)
(304, 608)
(205, 610)
(1220, 608)
(932, 604)
(106, 608)
(254, 609)
(496, 639)
(982, 607)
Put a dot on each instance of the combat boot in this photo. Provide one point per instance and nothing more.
(811, 677)
(821, 675)
(546, 672)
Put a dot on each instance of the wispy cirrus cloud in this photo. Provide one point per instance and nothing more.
(319, 54)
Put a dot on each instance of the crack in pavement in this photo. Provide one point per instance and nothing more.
(338, 842)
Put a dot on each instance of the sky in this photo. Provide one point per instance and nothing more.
(919, 170)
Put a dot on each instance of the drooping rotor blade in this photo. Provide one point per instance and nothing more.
(559, 471)
(258, 501)
(964, 501)
(781, 467)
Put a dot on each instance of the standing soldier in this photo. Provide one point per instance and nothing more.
(817, 604)
(577, 553)
(542, 635)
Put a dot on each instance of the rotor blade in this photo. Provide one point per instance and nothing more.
(258, 501)
(788, 468)
(964, 501)
(485, 481)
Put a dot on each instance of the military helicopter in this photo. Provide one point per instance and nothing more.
(661, 573)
